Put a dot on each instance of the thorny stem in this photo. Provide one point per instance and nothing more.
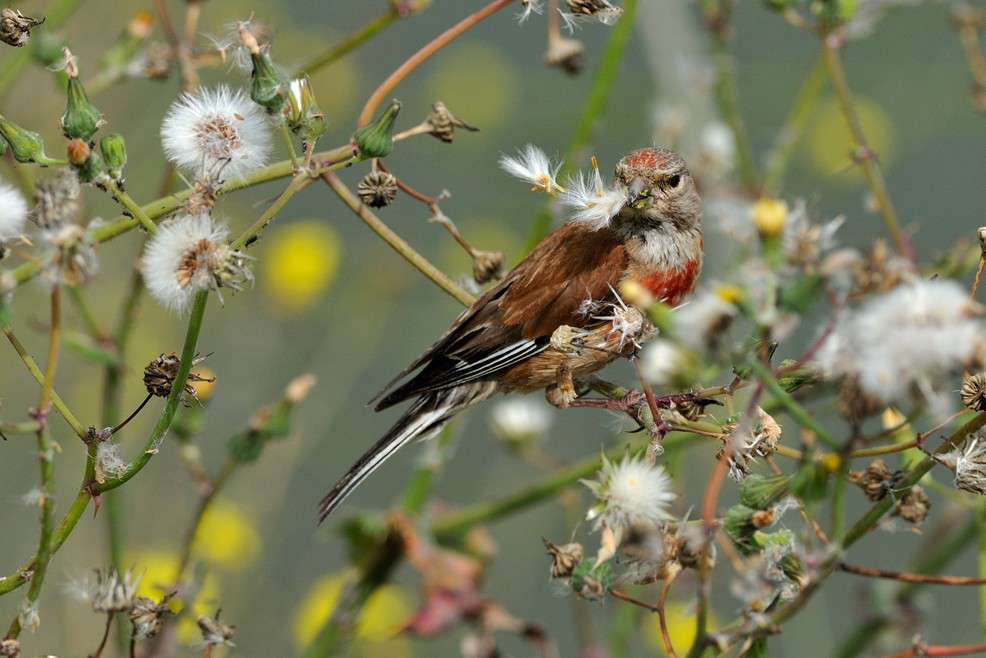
(56, 400)
(418, 58)
(777, 160)
(396, 242)
(602, 87)
(46, 461)
(135, 210)
(360, 36)
(863, 153)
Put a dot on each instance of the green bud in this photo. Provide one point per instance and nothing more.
(303, 114)
(92, 170)
(376, 139)
(740, 528)
(810, 482)
(81, 118)
(268, 87)
(25, 145)
(792, 380)
(114, 152)
(802, 293)
(762, 491)
(592, 582)
(778, 5)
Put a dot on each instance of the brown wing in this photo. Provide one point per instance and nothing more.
(514, 320)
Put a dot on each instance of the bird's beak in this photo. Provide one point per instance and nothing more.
(637, 192)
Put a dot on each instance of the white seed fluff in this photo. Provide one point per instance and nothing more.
(216, 133)
(908, 338)
(13, 212)
(631, 492)
(166, 262)
(591, 201)
(661, 361)
(520, 419)
(532, 165)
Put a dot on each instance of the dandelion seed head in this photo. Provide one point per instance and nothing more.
(631, 492)
(518, 420)
(13, 212)
(188, 254)
(591, 201)
(533, 166)
(216, 130)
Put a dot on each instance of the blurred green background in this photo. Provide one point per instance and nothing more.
(332, 299)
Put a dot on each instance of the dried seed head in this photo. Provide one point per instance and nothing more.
(214, 632)
(146, 616)
(564, 558)
(856, 404)
(111, 591)
(876, 481)
(973, 391)
(969, 463)
(10, 648)
(15, 27)
(443, 123)
(377, 189)
(914, 505)
(690, 409)
(487, 266)
(565, 54)
(159, 376)
(57, 200)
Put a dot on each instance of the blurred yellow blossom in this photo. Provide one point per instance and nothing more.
(681, 628)
(227, 538)
(830, 146)
(769, 216)
(386, 612)
(205, 386)
(300, 262)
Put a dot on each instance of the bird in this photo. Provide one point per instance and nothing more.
(508, 339)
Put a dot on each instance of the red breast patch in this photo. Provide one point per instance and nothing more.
(671, 286)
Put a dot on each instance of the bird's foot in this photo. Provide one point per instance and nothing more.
(562, 393)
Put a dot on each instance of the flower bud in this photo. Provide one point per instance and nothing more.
(78, 152)
(769, 217)
(25, 145)
(268, 88)
(443, 123)
(81, 118)
(15, 27)
(376, 139)
(114, 152)
(762, 491)
(304, 116)
(740, 526)
(564, 558)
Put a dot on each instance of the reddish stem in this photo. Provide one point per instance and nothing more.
(908, 577)
(418, 58)
(957, 650)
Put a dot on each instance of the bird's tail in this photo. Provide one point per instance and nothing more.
(422, 420)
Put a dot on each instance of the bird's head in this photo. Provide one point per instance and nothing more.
(659, 189)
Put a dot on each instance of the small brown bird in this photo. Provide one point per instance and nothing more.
(504, 341)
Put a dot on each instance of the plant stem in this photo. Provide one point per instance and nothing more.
(908, 577)
(794, 126)
(863, 154)
(418, 58)
(46, 462)
(795, 410)
(396, 242)
(359, 37)
(135, 210)
(602, 88)
(56, 400)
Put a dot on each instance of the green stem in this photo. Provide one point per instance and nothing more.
(794, 127)
(46, 461)
(170, 203)
(56, 400)
(795, 410)
(865, 156)
(86, 313)
(980, 524)
(359, 37)
(396, 242)
(420, 485)
(135, 210)
(174, 399)
(602, 88)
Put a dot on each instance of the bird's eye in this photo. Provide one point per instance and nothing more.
(674, 180)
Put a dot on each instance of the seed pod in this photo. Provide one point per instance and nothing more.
(114, 152)
(914, 505)
(376, 139)
(973, 391)
(268, 88)
(564, 558)
(81, 118)
(377, 189)
(762, 491)
(443, 123)
(25, 145)
(876, 481)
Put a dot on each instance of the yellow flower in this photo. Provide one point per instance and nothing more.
(204, 388)
(158, 570)
(300, 262)
(386, 611)
(769, 216)
(830, 146)
(226, 537)
(681, 628)
(729, 293)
